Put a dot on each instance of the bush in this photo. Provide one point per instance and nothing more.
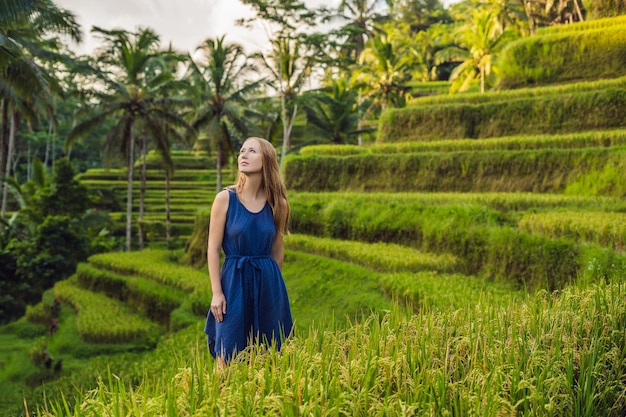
(564, 57)
(542, 170)
(524, 115)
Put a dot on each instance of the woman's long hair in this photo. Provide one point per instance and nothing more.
(272, 181)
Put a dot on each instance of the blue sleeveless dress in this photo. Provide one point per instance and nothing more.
(256, 297)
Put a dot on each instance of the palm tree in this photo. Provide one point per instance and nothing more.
(289, 64)
(419, 15)
(383, 75)
(26, 88)
(11, 12)
(361, 16)
(160, 79)
(335, 111)
(219, 93)
(509, 14)
(479, 41)
(130, 97)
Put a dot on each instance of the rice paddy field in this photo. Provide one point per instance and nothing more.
(493, 284)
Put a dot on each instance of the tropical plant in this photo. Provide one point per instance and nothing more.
(42, 242)
(289, 64)
(419, 15)
(383, 75)
(334, 110)
(479, 41)
(132, 96)
(361, 16)
(26, 88)
(170, 63)
(292, 56)
(509, 14)
(160, 73)
(218, 89)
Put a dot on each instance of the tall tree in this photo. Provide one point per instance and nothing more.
(419, 15)
(383, 75)
(27, 41)
(130, 95)
(361, 16)
(170, 64)
(219, 90)
(478, 42)
(334, 110)
(159, 76)
(289, 65)
(292, 54)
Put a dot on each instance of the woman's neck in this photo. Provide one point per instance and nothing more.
(252, 188)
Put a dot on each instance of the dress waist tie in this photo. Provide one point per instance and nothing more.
(249, 271)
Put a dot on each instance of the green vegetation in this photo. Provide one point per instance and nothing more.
(539, 357)
(604, 229)
(565, 56)
(583, 26)
(526, 115)
(591, 139)
(538, 170)
(189, 188)
(469, 259)
(377, 256)
(102, 320)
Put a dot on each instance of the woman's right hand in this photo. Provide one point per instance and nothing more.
(218, 307)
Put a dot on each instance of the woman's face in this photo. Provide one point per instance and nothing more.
(250, 157)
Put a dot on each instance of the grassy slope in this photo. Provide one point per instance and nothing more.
(470, 355)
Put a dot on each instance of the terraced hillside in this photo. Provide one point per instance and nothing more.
(524, 186)
(191, 187)
(470, 262)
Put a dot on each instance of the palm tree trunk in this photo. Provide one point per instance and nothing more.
(482, 79)
(291, 122)
(168, 221)
(142, 191)
(529, 16)
(4, 137)
(29, 163)
(360, 124)
(9, 157)
(578, 12)
(218, 165)
(287, 127)
(49, 144)
(286, 144)
(129, 189)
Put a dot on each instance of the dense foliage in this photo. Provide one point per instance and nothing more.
(43, 242)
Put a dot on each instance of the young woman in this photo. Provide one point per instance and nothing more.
(248, 221)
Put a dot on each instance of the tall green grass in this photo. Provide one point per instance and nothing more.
(564, 56)
(538, 171)
(599, 138)
(588, 24)
(540, 357)
(105, 320)
(379, 256)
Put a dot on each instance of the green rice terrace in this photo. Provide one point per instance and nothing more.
(468, 262)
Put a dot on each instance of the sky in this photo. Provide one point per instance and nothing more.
(184, 23)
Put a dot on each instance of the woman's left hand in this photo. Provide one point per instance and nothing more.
(218, 307)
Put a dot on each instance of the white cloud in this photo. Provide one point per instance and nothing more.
(184, 23)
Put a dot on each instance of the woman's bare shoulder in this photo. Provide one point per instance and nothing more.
(222, 198)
